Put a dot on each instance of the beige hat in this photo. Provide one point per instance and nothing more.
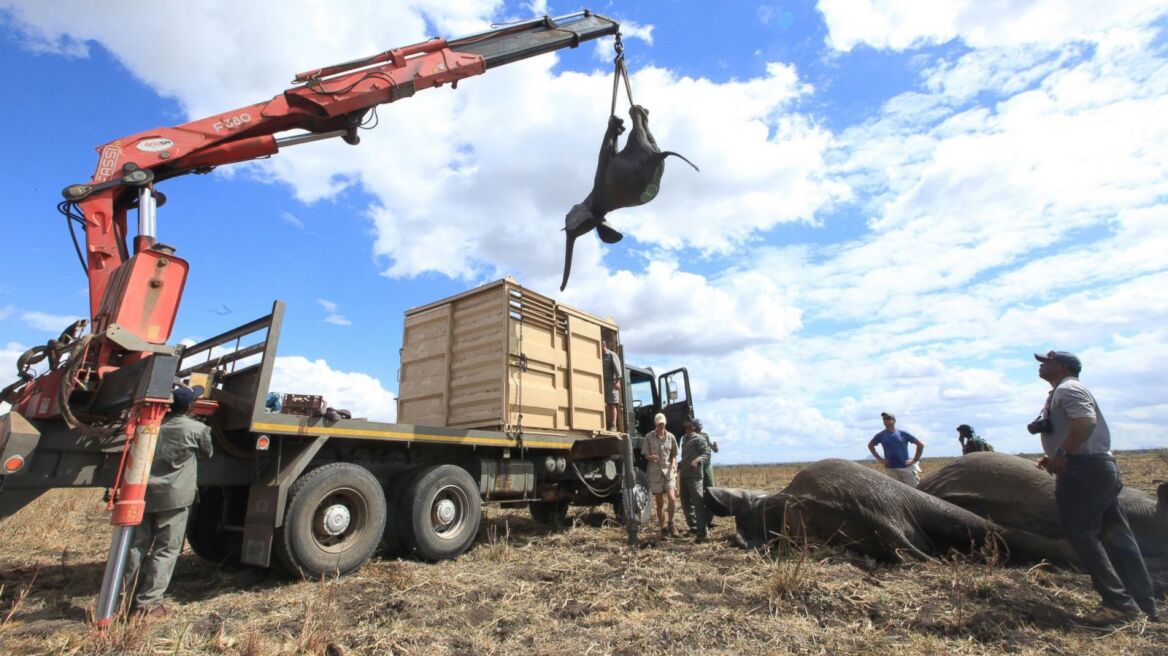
(658, 419)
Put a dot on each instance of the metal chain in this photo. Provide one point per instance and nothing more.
(522, 370)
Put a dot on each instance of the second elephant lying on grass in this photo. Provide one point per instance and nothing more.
(842, 502)
(1013, 492)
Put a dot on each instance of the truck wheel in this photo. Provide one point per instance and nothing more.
(205, 531)
(441, 511)
(642, 499)
(334, 521)
(549, 513)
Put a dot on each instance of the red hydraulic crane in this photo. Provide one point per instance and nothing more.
(117, 378)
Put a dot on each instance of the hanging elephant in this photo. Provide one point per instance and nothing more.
(626, 178)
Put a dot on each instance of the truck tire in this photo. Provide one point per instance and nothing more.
(549, 513)
(333, 523)
(441, 511)
(206, 534)
(642, 498)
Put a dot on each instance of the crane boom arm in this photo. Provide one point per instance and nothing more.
(327, 102)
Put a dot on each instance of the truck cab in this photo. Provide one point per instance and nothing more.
(650, 393)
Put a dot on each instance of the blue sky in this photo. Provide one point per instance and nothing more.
(898, 203)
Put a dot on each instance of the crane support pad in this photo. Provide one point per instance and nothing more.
(18, 438)
(267, 497)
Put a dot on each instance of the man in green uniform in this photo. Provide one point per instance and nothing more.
(708, 470)
(158, 539)
(695, 454)
(970, 441)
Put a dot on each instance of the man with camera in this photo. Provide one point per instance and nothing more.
(1077, 447)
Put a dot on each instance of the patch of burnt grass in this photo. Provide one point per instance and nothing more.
(578, 589)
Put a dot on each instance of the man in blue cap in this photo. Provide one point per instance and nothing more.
(172, 489)
(895, 443)
(1077, 444)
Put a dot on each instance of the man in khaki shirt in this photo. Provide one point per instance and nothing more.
(660, 451)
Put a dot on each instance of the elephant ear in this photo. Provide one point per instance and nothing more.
(1162, 497)
(720, 500)
(727, 501)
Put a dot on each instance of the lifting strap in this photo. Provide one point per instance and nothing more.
(620, 72)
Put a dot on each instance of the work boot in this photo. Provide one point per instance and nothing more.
(664, 533)
(701, 538)
(156, 613)
(1106, 616)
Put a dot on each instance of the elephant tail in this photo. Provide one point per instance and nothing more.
(667, 153)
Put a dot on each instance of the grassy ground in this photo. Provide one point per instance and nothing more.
(580, 590)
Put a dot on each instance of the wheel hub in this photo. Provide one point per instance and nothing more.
(335, 519)
(445, 511)
(640, 498)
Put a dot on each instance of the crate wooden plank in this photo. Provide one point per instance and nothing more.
(460, 363)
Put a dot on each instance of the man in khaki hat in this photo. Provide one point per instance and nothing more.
(660, 451)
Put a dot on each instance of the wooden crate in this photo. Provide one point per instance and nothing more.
(462, 363)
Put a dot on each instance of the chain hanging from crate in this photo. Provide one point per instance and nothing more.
(521, 366)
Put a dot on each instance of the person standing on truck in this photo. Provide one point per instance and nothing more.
(660, 451)
(895, 444)
(170, 492)
(695, 455)
(613, 374)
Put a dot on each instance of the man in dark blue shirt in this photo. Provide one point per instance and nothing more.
(895, 445)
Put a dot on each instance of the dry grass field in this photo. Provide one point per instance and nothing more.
(525, 589)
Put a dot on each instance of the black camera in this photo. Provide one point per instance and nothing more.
(1040, 425)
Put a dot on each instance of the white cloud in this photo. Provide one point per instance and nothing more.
(292, 220)
(668, 311)
(605, 49)
(904, 24)
(765, 180)
(1012, 201)
(332, 313)
(1005, 219)
(49, 322)
(9, 354)
(356, 392)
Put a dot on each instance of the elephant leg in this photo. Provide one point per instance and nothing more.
(893, 538)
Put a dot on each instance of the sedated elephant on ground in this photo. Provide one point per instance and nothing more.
(842, 502)
(1011, 491)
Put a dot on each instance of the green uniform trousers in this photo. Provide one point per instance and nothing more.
(697, 516)
(154, 550)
